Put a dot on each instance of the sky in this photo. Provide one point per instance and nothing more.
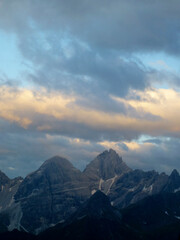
(79, 77)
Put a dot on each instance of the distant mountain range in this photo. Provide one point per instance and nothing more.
(58, 193)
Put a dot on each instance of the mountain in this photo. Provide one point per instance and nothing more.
(105, 166)
(136, 185)
(8, 209)
(158, 216)
(155, 217)
(51, 194)
(3, 180)
(95, 219)
(57, 189)
(173, 183)
(17, 235)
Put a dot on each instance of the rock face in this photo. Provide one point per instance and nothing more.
(57, 189)
(7, 193)
(51, 194)
(106, 166)
(3, 180)
(95, 219)
(158, 216)
(98, 206)
(136, 185)
(8, 209)
(173, 183)
(155, 217)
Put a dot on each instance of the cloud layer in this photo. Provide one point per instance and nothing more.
(84, 85)
(125, 25)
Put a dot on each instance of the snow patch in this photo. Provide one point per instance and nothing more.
(100, 184)
(178, 217)
(132, 189)
(166, 213)
(112, 181)
(93, 191)
(148, 189)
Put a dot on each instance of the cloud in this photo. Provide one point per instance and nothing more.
(73, 66)
(82, 48)
(83, 87)
(56, 113)
(124, 25)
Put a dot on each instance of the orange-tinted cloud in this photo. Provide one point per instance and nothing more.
(22, 106)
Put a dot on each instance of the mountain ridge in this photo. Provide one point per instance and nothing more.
(57, 189)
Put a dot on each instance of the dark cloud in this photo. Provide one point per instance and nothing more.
(124, 25)
(86, 48)
(80, 46)
(79, 68)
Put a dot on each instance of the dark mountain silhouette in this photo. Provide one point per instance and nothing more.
(95, 219)
(157, 216)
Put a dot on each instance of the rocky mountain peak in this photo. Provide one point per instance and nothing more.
(174, 174)
(98, 200)
(97, 206)
(56, 162)
(173, 183)
(106, 165)
(3, 179)
(54, 171)
(59, 169)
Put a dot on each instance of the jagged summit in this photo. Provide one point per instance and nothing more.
(98, 201)
(174, 174)
(3, 179)
(173, 183)
(106, 165)
(97, 206)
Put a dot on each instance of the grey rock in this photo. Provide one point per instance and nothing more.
(136, 185)
(3, 180)
(57, 189)
(105, 166)
(51, 194)
(173, 183)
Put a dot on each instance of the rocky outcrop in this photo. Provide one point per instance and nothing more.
(173, 183)
(3, 180)
(51, 194)
(105, 166)
(95, 219)
(57, 189)
(158, 216)
(136, 185)
(10, 212)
